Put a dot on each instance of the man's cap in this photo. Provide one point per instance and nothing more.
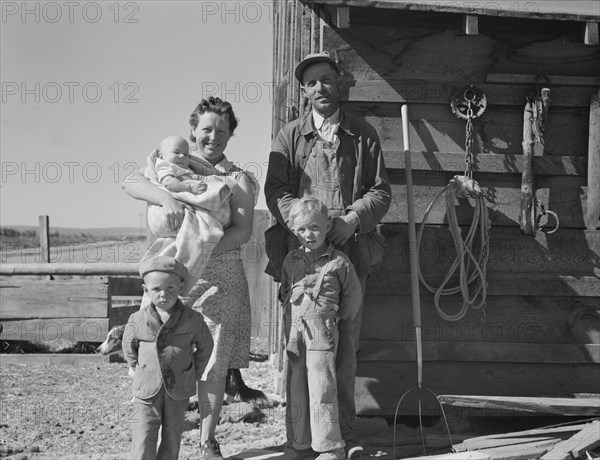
(313, 59)
(162, 264)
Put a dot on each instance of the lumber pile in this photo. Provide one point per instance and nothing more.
(572, 440)
(553, 443)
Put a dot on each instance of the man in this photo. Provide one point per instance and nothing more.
(334, 157)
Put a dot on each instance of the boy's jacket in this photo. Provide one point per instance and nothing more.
(173, 354)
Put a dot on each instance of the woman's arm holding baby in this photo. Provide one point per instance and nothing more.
(242, 216)
(140, 188)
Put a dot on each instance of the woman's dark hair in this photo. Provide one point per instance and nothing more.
(214, 105)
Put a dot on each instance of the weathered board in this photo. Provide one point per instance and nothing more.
(51, 359)
(380, 385)
(568, 252)
(574, 10)
(52, 299)
(433, 128)
(510, 319)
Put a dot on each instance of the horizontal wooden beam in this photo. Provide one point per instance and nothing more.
(379, 385)
(497, 94)
(51, 299)
(481, 351)
(487, 163)
(560, 80)
(525, 284)
(56, 330)
(70, 359)
(574, 10)
(557, 406)
(102, 268)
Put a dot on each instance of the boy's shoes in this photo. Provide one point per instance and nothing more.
(335, 454)
(210, 450)
(354, 451)
(292, 454)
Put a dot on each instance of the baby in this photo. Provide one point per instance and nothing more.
(173, 167)
(207, 208)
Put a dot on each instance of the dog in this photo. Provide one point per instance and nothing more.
(234, 383)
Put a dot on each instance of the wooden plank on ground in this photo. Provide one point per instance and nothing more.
(56, 329)
(533, 405)
(72, 359)
(522, 451)
(586, 439)
(481, 351)
(559, 432)
(51, 299)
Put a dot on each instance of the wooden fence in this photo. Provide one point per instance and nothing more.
(43, 302)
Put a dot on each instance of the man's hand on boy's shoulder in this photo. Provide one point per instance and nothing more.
(342, 228)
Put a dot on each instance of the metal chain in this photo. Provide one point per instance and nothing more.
(469, 142)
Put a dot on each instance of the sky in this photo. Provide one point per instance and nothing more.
(90, 88)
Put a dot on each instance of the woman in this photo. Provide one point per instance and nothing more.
(221, 295)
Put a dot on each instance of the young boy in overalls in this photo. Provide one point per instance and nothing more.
(167, 346)
(319, 287)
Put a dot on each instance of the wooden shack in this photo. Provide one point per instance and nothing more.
(539, 332)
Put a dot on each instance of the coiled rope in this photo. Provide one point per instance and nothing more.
(471, 269)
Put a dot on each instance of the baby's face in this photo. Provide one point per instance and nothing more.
(176, 152)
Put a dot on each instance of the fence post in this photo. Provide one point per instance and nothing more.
(44, 222)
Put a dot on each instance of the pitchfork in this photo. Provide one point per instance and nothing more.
(414, 281)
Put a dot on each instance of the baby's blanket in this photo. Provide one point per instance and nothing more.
(201, 230)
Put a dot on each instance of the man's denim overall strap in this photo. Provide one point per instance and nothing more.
(320, 178)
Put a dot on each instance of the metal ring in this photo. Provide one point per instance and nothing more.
(469, 92)
(543, 227)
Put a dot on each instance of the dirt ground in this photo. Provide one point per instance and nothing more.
(83, 412)
(76, 412)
